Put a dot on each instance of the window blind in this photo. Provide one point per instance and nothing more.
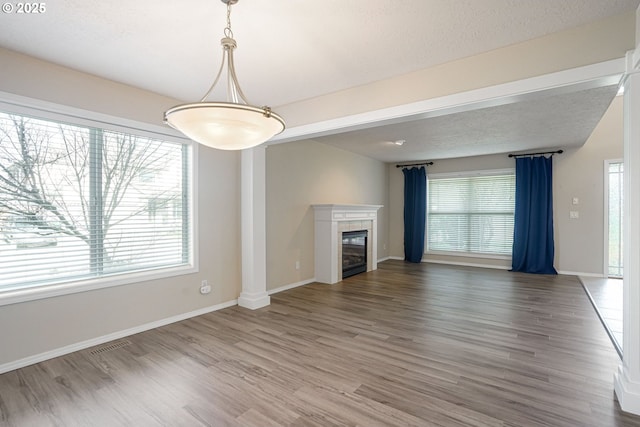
(79, 202)
(471, 214)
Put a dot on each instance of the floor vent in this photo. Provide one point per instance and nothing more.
(110, 347)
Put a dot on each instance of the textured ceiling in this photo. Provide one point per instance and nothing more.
(549, 122)
(290, 50)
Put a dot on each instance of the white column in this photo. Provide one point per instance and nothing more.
(253, 229)
(627, 378)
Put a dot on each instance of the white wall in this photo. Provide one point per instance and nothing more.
(580, 173)
(576, 173)
(33, 328)
(303, 173)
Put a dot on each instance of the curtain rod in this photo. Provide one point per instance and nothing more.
(537, 154)
(415, 164)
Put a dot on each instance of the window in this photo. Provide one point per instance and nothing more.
(471, 214)
(83, 203)
(614, 179)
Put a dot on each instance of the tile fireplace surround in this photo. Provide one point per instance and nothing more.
(330, 222)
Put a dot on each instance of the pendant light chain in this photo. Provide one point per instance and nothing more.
(234, 91)
(227, 30)
(227, 48)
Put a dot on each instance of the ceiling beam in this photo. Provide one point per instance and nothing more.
(581, 78)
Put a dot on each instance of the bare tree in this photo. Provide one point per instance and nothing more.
(71, 180)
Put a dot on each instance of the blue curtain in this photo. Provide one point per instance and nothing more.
(415, 209)
(533, 222)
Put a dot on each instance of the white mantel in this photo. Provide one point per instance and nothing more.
(330, 222)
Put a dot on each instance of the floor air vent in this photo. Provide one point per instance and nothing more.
(110, 347)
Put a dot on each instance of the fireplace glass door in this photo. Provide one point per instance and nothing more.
(354, 252)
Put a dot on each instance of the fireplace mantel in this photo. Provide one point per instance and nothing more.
(330, 221)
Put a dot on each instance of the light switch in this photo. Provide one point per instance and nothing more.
(574, 215)
(575, 201)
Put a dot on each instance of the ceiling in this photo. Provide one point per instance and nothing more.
(554, 121)
(292, 50)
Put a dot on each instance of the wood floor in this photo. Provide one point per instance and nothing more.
(406, 345)
(606, 298)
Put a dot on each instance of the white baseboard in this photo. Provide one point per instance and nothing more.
(291, 286)
(21, 363)
(467, 264)
(498, 267)
(254, 300)
(576, 273)
(627, 391)
(307, 281)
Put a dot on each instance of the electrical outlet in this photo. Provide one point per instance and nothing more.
(205, 288)
(297, 265)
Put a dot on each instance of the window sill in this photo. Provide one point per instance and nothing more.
(33, 293)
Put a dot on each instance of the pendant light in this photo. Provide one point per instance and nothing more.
(230, 125)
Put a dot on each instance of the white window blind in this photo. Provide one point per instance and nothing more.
(471, 214)
(79, 202)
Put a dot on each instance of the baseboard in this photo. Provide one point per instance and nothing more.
(497, 267)
(254, 300)
(291, 286)
(384, 259)
(31, 360)
(576, 273)
(627, 392)
(467, 264)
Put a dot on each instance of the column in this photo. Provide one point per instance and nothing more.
(627, 377)
(253, 229)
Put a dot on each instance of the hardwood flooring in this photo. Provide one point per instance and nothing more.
(606, 297)
(406, 345)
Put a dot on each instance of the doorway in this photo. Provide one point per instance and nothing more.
(606, 294)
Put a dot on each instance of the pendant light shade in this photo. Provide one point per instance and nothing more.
(224, 125)
(231, 125)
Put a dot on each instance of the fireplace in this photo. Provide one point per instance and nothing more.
(354, 252)
(331, 223)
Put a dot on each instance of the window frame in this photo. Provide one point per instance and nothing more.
(464, 174)
(606, 191)
(15, 104)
